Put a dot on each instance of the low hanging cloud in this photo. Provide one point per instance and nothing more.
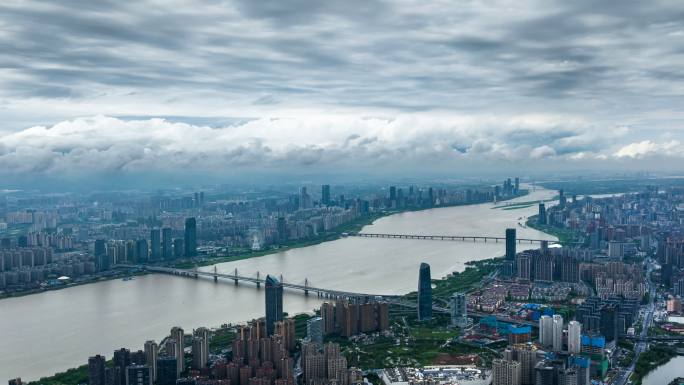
(647, 148)
(102, 143)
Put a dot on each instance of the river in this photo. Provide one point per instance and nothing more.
(52, 331)
(662, 375)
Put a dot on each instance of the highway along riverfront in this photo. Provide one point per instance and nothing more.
(67, 326)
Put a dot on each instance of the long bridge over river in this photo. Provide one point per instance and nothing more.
(459, 238)
(306, 288)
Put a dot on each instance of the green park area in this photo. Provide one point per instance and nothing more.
(412, 343)
(652, 358)
(70, 377)
(563, 235)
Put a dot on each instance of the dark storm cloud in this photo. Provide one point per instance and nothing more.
(296, 12)
(553, 75)
(332, 50)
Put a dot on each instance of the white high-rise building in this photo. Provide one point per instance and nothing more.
(574, 337)
(546, 331)
(557, 344)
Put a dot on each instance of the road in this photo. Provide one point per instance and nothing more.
(641, 344)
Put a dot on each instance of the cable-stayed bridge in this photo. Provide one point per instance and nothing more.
(258, 280)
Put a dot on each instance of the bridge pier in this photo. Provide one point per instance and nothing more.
(258, 282)
(306, 287)
(215, 275)
(236, 274)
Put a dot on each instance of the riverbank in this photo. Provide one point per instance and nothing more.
(336, 233)
(651, 359)
(564, 236)
(115, 274)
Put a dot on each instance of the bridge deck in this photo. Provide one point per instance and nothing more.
(305, 288)
(462, 238)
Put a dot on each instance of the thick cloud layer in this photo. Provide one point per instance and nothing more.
(304, 83)
(104, 144)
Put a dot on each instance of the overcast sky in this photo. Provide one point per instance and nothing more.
(290, 85)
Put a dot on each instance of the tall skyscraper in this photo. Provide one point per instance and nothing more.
(314, 331)
(274, 303)
(542, 214)
(142, 251)
(505, 372)
(459, 309)
(524, 265)
(96, 370)
(328, 315)
(167, 372)
(281, 227)
(100, 247)
(155, 247)
(151, 355)
(545, 373)
(557, 333)
(526, 354)
(178, 248)
(190, 237)
(574, 337)
(569, 269)
(179, 336)
(325, 194)
(510, 244)
(167, 243)
(546, 331)
(304, 199)
(199, 360)
(121, 359)
(100, 253)
(200, 348)
(561, 199)
(424, 293)
(543, 268)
